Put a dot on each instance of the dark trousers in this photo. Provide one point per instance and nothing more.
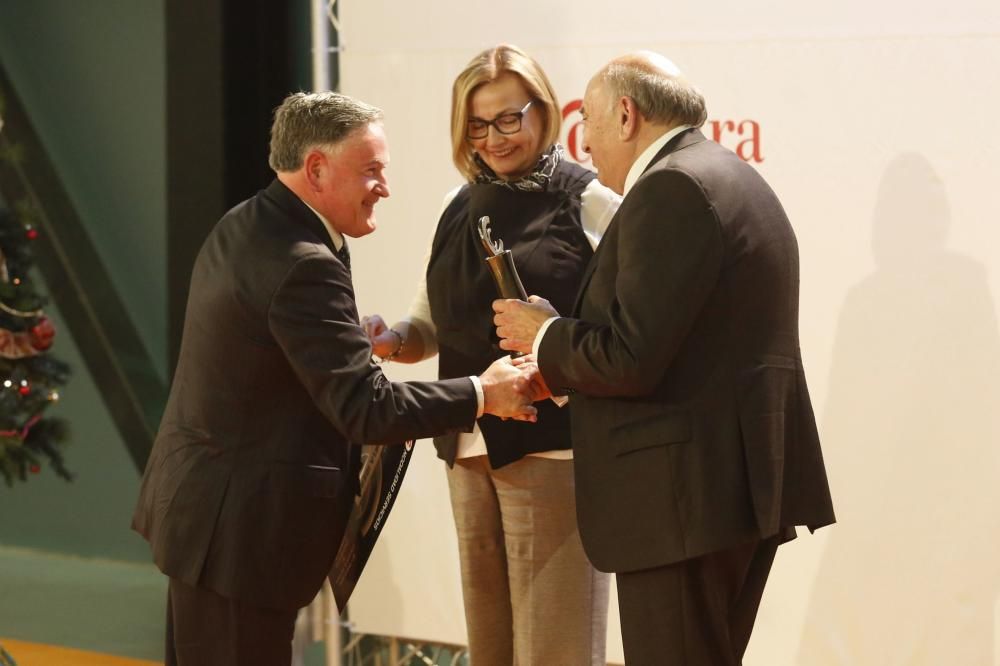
(698, 612)
(206, 629)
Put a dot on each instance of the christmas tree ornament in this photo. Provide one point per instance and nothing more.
(42, 334)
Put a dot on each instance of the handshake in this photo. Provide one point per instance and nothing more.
(510, 386)
(517, 324)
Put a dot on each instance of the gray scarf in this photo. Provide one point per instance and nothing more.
(535, 181)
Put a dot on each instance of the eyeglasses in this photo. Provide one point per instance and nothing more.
(505, 123)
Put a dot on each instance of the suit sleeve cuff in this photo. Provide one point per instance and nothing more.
(480, 398)
(560, 400)
(541, 333)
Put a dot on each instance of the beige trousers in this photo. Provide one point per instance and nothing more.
(531, 596)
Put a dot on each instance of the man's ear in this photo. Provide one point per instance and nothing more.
(627, 115)
(314, 165)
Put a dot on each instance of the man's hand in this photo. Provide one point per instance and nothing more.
(518, 322)
(507, 390)
(537, 388)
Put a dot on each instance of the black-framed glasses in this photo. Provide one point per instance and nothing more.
(505, 123)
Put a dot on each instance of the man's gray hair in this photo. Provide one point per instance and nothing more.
(305, 121)
(660, 93)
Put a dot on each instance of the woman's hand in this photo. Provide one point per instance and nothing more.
(374, 325)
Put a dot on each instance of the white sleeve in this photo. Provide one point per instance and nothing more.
(419, 314)
(598, 205)
(480, 396)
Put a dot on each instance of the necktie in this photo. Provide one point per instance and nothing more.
(344, 255)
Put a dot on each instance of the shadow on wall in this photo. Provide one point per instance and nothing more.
(911, 572)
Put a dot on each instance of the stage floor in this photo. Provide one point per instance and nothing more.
(36, 654)
(93, 606)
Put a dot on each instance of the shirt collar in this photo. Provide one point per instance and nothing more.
(335, 236)
(647, 156)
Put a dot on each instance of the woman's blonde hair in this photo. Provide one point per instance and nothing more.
(488, 66)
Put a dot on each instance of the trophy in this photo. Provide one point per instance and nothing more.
(501, 264)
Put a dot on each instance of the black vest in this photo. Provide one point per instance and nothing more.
(551, 251)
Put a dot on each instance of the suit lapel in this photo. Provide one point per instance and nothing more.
(683, 140)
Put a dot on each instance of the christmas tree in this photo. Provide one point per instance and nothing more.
(29, 378)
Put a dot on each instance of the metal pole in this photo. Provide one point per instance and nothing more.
(321, 80)
(334, 653)
(320, 46)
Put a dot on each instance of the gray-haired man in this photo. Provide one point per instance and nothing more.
(254, 468)
(694, 443)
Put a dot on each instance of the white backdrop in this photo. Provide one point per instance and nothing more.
(876, 123)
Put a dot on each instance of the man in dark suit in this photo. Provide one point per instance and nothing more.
(694, 441)
(254, 469)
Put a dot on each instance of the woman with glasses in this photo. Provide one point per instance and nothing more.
(531, 596)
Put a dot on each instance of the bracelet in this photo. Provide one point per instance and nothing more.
(399, 347)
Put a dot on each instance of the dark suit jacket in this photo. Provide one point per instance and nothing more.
(691, 422)
(253, 473)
